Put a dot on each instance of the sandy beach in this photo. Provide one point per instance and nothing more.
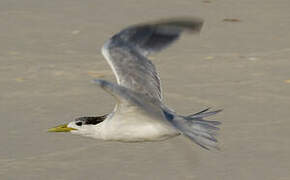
(50, 52)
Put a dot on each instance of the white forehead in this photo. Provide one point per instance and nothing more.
(85, 130)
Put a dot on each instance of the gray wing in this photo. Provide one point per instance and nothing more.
(126, 99)
(127, 51)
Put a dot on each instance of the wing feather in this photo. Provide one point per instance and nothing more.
(127, 51)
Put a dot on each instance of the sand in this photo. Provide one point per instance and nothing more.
(50, 52)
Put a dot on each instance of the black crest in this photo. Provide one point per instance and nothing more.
(90, 120)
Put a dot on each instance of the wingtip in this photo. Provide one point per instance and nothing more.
(99, 82)
(219, 110)
(189, 24)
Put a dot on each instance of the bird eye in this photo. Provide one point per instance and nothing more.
(79, 123)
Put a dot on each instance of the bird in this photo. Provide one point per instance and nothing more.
(140, 114)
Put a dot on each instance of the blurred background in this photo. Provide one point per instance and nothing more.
(50, 52)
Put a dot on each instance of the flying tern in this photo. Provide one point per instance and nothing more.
(140, 114)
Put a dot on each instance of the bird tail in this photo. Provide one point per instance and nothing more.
(193, 126)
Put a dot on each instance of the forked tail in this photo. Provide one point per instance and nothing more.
(200, 131)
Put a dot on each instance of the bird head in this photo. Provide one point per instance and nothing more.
(86, 126)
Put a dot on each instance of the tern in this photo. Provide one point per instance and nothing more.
(139, 114)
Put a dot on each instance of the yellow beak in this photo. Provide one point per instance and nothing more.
(61, 128)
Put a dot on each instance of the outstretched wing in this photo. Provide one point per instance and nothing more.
(127, 51)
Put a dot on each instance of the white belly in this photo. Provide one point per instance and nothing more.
(136, 128)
